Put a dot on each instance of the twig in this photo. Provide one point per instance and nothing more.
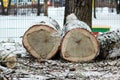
(6, 70)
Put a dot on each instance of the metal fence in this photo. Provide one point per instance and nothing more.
(27, 7)
(23, 15)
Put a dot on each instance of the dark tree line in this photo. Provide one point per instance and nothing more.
(81, 8)
(45, 8)
(5, 10)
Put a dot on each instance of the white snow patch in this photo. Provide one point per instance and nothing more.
(91, 73)
(15, 26)
(106, 18)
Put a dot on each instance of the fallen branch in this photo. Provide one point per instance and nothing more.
(5, 70)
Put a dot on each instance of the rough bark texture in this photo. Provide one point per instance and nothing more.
(38, 8)
(81, 8)
(78, 43)
(45, 8)
(42, 40)
(109, 45)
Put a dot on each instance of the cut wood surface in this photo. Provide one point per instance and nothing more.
(78, 43)
(8, 59)
(42, 40)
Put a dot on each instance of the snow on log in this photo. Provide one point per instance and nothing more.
(9, 58)
(9, 51)
(109, 44)
(78, 43)
(43, 39)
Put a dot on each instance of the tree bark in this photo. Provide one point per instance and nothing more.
(117, 6)
(38, 8)
(109, 45)
(3, 9)
(94, 9)
(81, 8)
(45, 8)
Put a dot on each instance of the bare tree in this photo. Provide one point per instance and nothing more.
(5, 10)
(82, 9)
(38, 8)
(117, 6)
(94, 8)
(33, 5)
(2, 6)
(45, 8)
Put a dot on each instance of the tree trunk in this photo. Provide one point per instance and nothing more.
(78, 43)
(45, 8)
(42, 40)
(5, 10)
(38, 8)
(109, 45)
(8, 8)
(117, 6)
(81, 8)
(94, 9)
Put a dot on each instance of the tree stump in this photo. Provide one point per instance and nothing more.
(42, 40)
(78, 43)
(109, 44)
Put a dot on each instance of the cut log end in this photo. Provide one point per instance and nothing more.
(79, 45)
(11, 61)
(41, 42)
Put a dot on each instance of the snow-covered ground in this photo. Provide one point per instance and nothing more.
(106, 18)
(15, 26)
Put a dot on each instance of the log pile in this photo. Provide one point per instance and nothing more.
(43, 39)
(109, 44)
(78, 43)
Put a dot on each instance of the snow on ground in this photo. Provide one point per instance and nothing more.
(15, 26)
(107, 18)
